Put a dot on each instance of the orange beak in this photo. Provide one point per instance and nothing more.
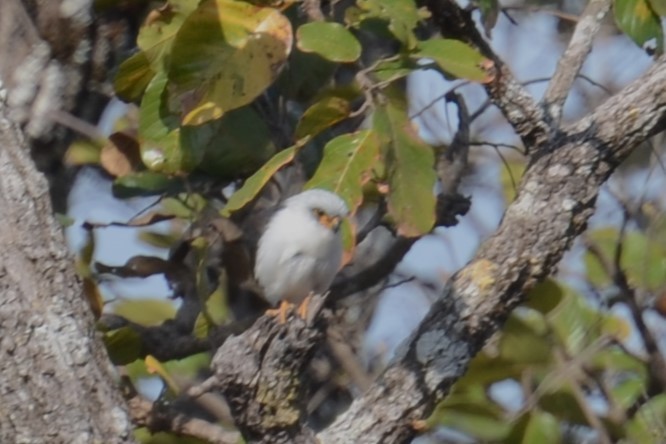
(332, 223)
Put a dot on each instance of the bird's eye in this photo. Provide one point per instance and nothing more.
(318, 212)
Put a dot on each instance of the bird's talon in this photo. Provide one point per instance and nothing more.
(280, 312)
(303, 308)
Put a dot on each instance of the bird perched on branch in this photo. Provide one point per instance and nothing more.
(301, 249)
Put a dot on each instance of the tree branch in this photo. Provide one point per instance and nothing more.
(572, 60)
(554, 202)
(169, 341)
(162, 418)
(262, 375)
(506, 93)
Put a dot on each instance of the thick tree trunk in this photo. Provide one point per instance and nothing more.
(56, 381)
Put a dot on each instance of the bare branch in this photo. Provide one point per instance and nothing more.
(171, 341)
(572, 60)
(372, 275)
(158, 418)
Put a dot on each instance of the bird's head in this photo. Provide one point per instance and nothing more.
(325, 207)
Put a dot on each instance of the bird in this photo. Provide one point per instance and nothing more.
(301, 249)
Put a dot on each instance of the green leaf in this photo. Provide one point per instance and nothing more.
(522, 342)
(480, 420)
(489, 13)
(402, 15)
(636, 19)
(146, 312)
(543, 428)
(563, 404)
(161, 147)
(626, 392)
(643, 259)
(304, 76)
(577, 325)
(545, 296)
(658, 6)
(234, 146)
(226, 53)
(347, 165)
(485, 370)
(64, 220)
(510, 176)
(325, 113)
(330, 40)
(145, 183)
(617, 360)
(255, 183)
(184, 206)
(410, 168)
(456, 58)
(133, 77)
(391, 70)
(214, 313)
(647, 426)
(155, 118)
(535, 427)
(123, 345)
(191, 366)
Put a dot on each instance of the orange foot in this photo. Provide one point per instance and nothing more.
(281, 311)
(303, 308)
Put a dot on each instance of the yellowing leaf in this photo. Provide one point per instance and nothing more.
(225, 54)
(410, 168)
(145, 311)
(155, 367)
(156, 36)
(323, 114)
(659, 7)
(330, 40)
(639, 22)
(82, 152)
(133, 76)
(93, 296)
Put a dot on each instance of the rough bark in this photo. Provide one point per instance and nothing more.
(555, 199)
(56, 381)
